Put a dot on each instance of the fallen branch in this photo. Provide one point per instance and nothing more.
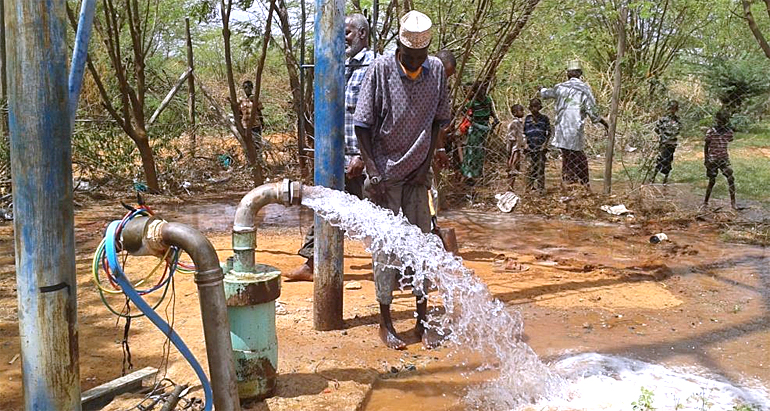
(170, 95)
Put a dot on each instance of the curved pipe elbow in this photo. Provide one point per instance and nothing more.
(192, 241)
(284, 192)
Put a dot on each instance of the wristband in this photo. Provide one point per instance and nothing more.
(441, 149)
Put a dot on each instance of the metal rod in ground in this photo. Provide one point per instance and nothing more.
(329, 93)
(173, 398)
(3, 69)
(41, 168)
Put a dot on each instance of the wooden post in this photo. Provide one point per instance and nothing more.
(190, 89)
(622, 17)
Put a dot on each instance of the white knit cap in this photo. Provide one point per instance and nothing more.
(415, 30)
(574, 65)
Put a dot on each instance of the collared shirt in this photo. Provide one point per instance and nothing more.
(537, 130)
(668, 128)
(400, 112)
(574, 101)
(355, 72)
(717, 140)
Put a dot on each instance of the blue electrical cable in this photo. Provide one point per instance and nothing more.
(130, 292)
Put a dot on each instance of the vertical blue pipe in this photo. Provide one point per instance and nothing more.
(329, 157)
(41, 167)
(80, 55)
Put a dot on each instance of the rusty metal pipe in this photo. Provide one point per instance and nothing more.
(144, 235)
(244, 229)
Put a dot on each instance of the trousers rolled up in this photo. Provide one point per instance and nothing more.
(412, 201)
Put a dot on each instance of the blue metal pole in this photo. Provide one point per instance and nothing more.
(329, 157)
(41, 167)
(80, 55)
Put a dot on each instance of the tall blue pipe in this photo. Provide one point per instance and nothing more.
(41, 168)
(80, 55)
(329, 157)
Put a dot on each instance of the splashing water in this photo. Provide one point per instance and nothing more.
(480, 324)
(477, 322)
(600, 382)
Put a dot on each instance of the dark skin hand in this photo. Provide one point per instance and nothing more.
(355, 168)
(441, 159)
(376, 192)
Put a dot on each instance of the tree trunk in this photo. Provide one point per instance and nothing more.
(755, 29)
(190, 89)
(617, 82)
(247, 142)
(292, 68)
(148, 160)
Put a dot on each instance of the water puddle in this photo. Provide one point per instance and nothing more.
(219, 217)
(592, 382)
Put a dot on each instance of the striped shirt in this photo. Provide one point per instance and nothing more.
(355, 72)
(717, 140)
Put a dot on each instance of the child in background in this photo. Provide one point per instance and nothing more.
(515, 142)
(716, 157)
(667, 128)
(537, 130)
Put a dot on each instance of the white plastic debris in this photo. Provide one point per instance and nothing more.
(507, 201)
(619, 209)
(280, 309)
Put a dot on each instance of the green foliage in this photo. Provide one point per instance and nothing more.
(644, 403)
(103, 154)
(738, 79)
(744, 407)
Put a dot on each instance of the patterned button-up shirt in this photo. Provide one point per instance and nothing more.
(717, 140)
(355, 72)
(400, 112)
(574, 101)
(668, 128)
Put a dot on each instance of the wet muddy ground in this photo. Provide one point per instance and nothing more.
(580, 286)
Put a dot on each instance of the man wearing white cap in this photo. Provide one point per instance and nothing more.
(402, 104)
(574, 101)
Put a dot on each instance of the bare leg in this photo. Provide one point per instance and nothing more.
(429, 339)
(388, 334)
(731, 187)
(712, 181)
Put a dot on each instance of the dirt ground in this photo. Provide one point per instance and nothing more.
(584, 287)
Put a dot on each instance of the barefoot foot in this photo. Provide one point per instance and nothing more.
(302, 273)
(391, 339)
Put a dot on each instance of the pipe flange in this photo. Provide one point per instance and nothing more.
(285, 192)
(295, 193)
